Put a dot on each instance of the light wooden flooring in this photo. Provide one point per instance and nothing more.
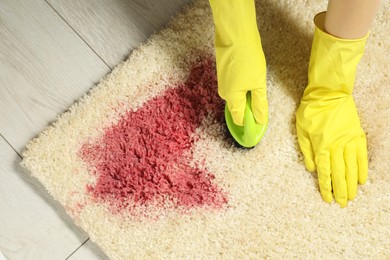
(51, 52)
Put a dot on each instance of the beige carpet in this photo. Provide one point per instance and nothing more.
(194, 193)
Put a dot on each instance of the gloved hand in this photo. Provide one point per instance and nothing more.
(241, 65)
(333, 142)
(328, 125)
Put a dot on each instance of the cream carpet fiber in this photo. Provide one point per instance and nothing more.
(194, 193)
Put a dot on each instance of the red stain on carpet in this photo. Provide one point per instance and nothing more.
(146, 155)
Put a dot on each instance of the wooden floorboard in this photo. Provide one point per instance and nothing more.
(88, 251)
(115, 27)
(32, 224)
(44, 68)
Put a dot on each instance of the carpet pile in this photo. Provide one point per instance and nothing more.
(144, 163)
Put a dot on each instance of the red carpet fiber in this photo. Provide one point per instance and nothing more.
(146, 155)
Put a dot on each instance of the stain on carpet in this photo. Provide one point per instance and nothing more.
(147, 157)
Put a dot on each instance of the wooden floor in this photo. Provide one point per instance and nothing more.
(51, 52)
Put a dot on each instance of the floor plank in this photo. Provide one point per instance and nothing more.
(2, 257)
(32, 225)
(115, 27)
(88, 251)
(44, 68)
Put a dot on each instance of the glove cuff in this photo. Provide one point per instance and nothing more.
(333, 62)
(319, 22)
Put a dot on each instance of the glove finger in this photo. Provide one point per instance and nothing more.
(236, 106)
(362, 159)
(306, 148)
(339, 182)
(324, 180)
(351, 170)
(260, 106)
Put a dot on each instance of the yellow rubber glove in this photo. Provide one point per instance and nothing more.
(328, 125)
(241, 65)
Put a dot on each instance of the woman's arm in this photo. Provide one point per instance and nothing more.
(350, 19)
